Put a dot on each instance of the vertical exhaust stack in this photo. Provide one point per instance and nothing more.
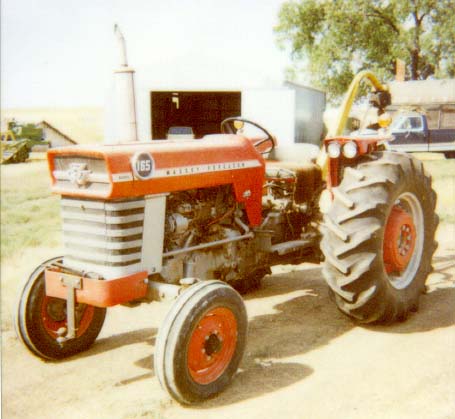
(125, 129)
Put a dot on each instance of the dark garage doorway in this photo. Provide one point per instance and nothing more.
(202, 111)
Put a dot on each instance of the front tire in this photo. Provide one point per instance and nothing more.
(39, 317)
(201, 342)
(378, 238)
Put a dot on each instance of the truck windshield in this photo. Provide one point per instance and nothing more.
(407, 123)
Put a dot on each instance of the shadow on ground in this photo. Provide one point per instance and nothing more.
(307, 322)
(297, 325)
(122, 339)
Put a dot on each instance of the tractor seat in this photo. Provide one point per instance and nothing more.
(296, 161)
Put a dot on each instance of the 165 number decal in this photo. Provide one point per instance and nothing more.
(143, 165)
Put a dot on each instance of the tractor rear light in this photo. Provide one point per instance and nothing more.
(334, 150)
(350, 150)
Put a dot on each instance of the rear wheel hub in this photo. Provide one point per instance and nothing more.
(399, 240)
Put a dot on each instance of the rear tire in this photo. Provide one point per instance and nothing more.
(378, 238)
(38, 317)
(201, 342)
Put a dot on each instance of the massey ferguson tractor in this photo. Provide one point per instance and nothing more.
(198, 219)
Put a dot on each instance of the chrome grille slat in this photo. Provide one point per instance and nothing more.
(89, 265)
(96, 256)
(103, 218)
(101, 231)
(105, 238)
(124, 219)
(104, 244)
(100, 218)
(109, 206)
(82, 203)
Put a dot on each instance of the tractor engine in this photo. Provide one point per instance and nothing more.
(200, 237)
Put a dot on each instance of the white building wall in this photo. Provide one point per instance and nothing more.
(55, 139)
(274, 109)
(309, 107)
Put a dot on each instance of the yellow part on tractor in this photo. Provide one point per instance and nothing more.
(338, 128)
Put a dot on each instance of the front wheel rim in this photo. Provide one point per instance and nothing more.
(212, 345)
(53, 316)
(403, 240)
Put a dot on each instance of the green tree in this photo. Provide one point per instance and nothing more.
(334, 39)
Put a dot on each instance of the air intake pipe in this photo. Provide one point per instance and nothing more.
(125, 128)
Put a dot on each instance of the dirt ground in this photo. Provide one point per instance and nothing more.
(304, 359)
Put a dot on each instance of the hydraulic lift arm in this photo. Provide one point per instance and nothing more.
(382, 99)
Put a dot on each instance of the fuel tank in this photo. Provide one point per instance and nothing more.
(124, 171)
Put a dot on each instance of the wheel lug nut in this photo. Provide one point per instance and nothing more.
(203, 350)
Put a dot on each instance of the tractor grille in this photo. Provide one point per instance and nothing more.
(68, 168)
(103, 237)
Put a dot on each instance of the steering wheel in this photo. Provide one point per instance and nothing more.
(228, 126)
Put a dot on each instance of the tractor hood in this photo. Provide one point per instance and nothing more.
(124, 171)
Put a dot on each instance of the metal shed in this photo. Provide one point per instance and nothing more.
(293, 113)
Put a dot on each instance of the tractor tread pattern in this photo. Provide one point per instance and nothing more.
(352, 237)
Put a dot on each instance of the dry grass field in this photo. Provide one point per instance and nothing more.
(84, 125)
(304, 359)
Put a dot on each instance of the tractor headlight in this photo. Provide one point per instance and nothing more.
(350, 150)
(334, 150)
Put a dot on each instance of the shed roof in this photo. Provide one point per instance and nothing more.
(48, 125)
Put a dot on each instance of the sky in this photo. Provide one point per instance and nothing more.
(62, 53)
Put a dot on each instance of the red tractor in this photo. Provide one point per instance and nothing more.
(196, 219)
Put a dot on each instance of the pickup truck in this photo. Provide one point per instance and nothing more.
(412, 133)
